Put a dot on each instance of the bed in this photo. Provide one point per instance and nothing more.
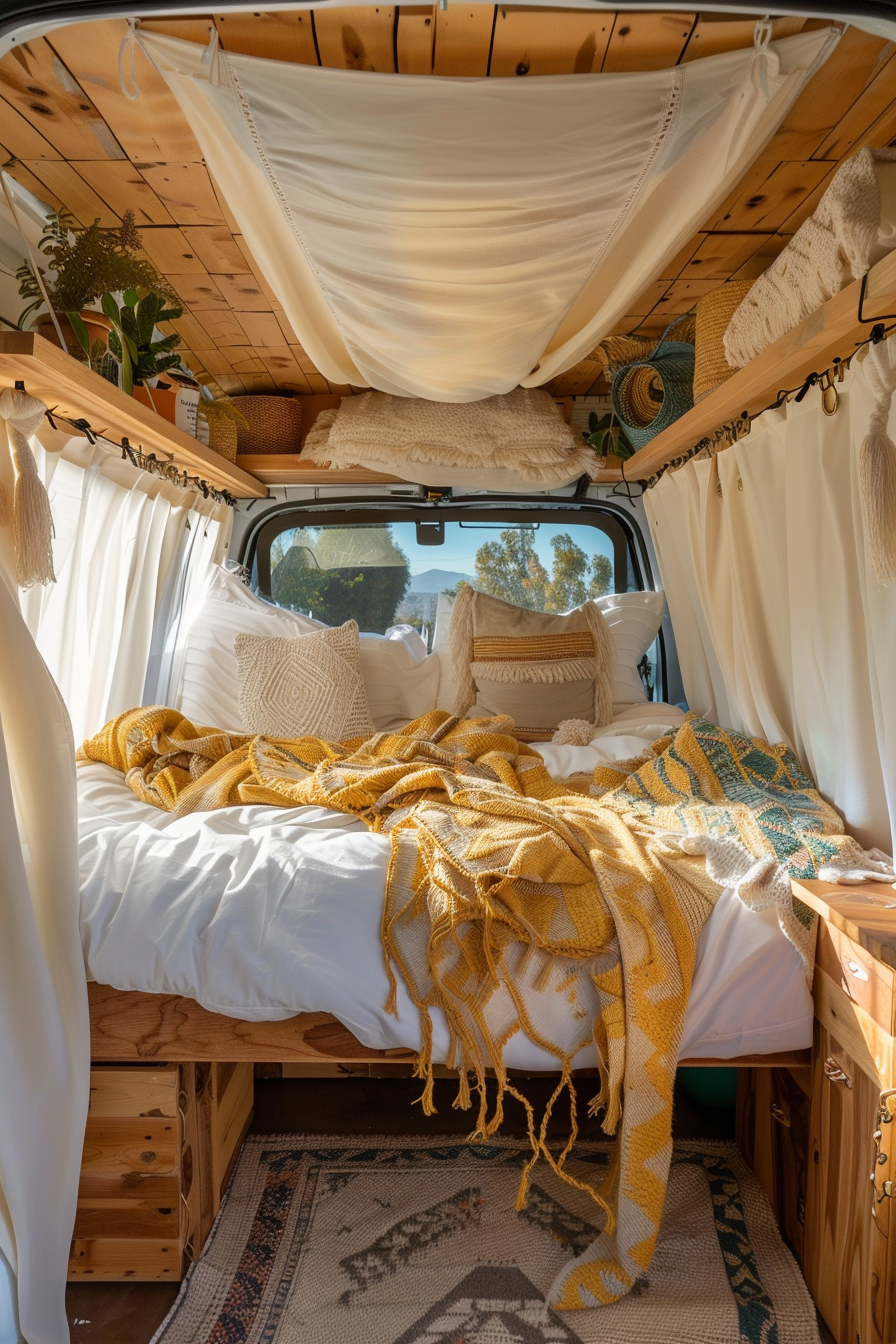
(253, 933)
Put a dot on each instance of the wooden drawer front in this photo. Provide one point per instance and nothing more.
(773, 1134)
(114, 1259)
(848, 1259)
(866, 981)
(128, 1092)
(129, 1220)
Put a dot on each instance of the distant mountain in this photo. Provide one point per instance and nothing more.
(434, 580)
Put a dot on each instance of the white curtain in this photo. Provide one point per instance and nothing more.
(779, 625)
(451, 238)
(44, 1037)
(125, 541)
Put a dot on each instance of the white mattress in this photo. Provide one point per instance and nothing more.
(262, 912)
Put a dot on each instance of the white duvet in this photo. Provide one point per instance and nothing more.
(261, 913)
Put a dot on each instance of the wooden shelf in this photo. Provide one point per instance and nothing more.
(833, 331)
(290, 469)
(77, 392)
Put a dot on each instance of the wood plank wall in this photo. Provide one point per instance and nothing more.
(69, 133)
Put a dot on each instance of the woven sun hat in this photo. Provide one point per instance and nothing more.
(651, 392)
(274, 424)
(714, 312)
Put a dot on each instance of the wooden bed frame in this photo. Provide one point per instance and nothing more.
(127, 1026)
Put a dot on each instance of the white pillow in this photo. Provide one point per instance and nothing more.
(400, 685)
(310, 686)
(633, 618)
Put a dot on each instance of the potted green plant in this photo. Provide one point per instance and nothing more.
(140, 354)
(82, 265)
(606, 435)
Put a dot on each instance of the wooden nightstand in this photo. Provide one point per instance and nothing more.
(849, 1254)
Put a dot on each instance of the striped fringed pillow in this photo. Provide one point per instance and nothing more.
(539, 668)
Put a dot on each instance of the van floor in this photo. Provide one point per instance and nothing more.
(130, 1313)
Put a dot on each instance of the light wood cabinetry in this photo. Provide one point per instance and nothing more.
(773, 1135)
(159, 1147)
(849, 1240)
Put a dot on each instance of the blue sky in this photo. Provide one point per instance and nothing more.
(462, 543)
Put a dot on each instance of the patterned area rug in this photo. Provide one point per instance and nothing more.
(415, 1241)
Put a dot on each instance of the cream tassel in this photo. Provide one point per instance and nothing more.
(460, 639)
(605, 660)
(877, 466)
(32, 519)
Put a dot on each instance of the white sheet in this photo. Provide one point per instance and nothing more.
(261, 912)
(451, 238)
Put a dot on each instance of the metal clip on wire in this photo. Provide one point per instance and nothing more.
(830, 397)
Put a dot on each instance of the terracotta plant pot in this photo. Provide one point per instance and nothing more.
(161, 400)
(97, 324)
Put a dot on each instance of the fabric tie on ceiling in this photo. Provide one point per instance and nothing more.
(453, 238)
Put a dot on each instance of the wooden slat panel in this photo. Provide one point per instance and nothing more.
(463, 40)
(356, 38)
(242, 359)
(875, 99)
(198, 291)
(647, 41)
(134, 1258)
(117, 1221)
(112, 1145)
(285, 36)
(151, 128)
(262, 330)
(216, 248)
(44, 91)
(127, 1189)
(190, 330)
(211, 361)
(829, 95)
(122, 187)
(715, 33)
(773, 201)
(193, 28)
(273, 301)
(221, 328)
(242, 292)
(65, 182)
(21, 138)
(186, 190)
(133, 1093)
(548, 42)
(721, 254)
(169, 251)
(415, 39)
(26, 178)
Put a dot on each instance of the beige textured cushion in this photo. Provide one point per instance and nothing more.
(539, 668)
(305, 687)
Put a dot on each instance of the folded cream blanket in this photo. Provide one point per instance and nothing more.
(520, 435)
(853, 226)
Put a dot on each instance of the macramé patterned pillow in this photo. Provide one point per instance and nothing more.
(310, 686)
(541, 669)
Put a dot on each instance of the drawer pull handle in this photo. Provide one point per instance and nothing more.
(834, 1073)
(858, 971)
(778, 1113)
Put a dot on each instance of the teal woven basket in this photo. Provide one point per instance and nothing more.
(650, 394)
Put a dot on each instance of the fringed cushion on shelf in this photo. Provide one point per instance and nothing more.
(853, 227)
(539, 668)
(308, 686)
(521, 435)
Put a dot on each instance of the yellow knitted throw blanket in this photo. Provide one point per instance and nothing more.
(506, 887)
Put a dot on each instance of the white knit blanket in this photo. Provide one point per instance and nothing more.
(521, 433)
(838, 243)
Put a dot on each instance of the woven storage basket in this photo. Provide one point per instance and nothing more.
(650, 393)
(222, 437)
(714, 312)
(275, 424)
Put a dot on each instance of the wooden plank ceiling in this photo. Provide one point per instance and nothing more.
(69, 134)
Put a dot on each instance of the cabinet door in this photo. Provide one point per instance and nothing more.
(847, 1259)
(773, 1134)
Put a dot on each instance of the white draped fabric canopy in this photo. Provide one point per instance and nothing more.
(453, 238)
